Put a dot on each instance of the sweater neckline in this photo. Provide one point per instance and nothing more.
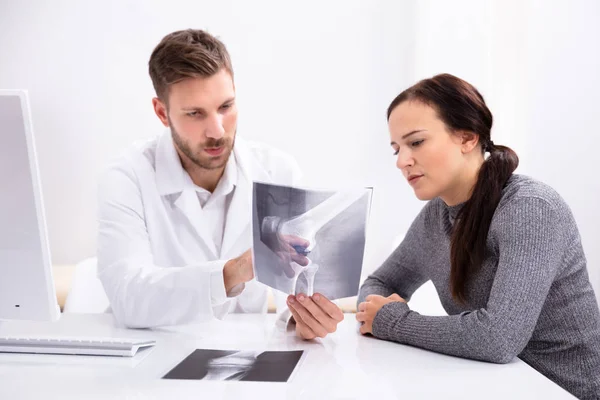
(454, 210)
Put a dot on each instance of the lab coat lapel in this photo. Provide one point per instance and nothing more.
(189, 205)
(237, 228)
(172, 180)
(238, 218)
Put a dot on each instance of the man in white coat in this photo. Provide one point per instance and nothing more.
(174, 212)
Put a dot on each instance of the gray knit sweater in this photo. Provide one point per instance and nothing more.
(531, 298)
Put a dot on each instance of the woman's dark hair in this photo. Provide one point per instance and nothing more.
(461, 107)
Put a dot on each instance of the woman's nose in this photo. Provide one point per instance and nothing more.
(404, 160)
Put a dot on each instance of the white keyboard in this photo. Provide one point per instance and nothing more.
(70, 345)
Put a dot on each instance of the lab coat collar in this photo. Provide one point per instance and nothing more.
(228, 180)
(248, 164)
(239, 213)
(170, 175)
(171, 178)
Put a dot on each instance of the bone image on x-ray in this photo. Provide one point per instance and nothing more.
(237, 365)
(232, 367)
(306, 226)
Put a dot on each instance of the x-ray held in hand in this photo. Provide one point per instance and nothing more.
(308, 241)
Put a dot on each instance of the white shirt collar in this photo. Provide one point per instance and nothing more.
(172, 178)
(226, 183)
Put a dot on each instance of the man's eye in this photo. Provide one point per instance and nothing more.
(226, 106)
(192, 113)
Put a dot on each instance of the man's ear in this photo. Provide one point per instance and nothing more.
(161, 111)
(469, 141)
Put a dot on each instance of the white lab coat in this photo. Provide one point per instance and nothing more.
(156, 258)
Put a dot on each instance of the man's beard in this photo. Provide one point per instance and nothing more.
(199, 159)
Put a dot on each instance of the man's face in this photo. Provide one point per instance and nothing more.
(202, 116)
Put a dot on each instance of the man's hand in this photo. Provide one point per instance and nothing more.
(315, 316)
(286, 244)
(238, 271)
(292, 248)
(369, 308)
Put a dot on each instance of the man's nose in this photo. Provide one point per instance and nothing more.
(215, 129)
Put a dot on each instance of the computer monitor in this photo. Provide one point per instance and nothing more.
(26, 285)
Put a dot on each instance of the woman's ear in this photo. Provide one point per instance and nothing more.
(469, 141)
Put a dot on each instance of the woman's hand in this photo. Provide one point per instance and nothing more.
(368, 309)
(315, 316)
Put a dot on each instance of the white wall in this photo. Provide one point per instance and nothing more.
(313, 78)
(562, 63)
(536, 62)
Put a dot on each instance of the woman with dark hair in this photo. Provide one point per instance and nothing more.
(502, 250)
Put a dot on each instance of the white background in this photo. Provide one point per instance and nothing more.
(314, 78)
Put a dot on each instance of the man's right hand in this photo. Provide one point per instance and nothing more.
(238, 271)
(292, 248)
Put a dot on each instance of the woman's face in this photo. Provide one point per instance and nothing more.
(431, 158)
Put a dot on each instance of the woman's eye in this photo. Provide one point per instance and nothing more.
(396, 152)
(417, 143)
(192, 113)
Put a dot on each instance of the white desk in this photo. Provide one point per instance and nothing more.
(344, 365)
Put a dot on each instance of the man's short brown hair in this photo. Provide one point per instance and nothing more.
(191, 53)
